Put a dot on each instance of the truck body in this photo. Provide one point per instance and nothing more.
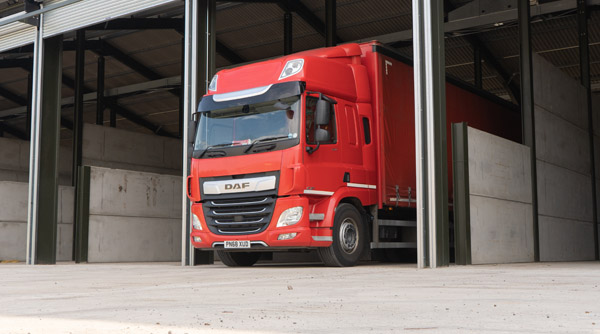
(305, 151)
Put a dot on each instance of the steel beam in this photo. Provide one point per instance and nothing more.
(288, 36)
(13, 131)
(330, 23)
(107, 49)
(584, 62)
(78, 107)
(305, 14)
(139, 24)
(487, 20)
(430, 135)
(527, 109)
(100, 91)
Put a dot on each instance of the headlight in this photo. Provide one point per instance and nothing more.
(196, 222)
(291, 67)
(290, 216)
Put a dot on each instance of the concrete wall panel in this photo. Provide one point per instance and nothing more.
(563, 193)
(13, 203)
(565, 240)
(561, 143)
(132, 239)
(558, 93)
(501, 216)
(501, 231)
(13, 221)
(498, 168)
(13, 240)
(127, 193)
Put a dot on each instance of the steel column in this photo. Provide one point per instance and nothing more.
(330, 23)
(34, 150)
(430, 134)
(527, 109)
(477, 66)
(584, 61)
(78, 104)
(29, 99)
(43, 187)
(100, 91)
(288, 36)
(113, 117)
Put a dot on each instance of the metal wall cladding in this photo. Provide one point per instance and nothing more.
(16, 34)
(88, 12)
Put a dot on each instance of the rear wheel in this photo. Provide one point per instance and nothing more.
(349, 238)
(238, 259)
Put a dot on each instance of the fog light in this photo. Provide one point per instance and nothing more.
(197, 239)
(287, 236)
(196, 222)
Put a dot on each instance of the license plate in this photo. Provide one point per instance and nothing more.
(237, 244)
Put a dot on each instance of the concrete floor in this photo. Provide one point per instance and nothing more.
(168, 298)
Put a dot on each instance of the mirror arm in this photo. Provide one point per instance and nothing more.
(311, 150)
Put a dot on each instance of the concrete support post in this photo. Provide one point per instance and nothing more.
(78, 105)
(288, 36)
(330, 22)
(43, 174)
(100, 91)
(584, 61)
(477, 73)
(430, 134)
(527, 109)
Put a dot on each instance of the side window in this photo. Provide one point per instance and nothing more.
(367, 128)
(311, 104)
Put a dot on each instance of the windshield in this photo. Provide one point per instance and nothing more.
(250, 123)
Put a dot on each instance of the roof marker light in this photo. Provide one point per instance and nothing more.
(213, 83)
(291, 67)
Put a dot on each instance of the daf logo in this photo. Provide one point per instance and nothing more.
(240, 185)
(234, 186)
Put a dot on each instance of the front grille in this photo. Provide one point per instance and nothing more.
(247, 215)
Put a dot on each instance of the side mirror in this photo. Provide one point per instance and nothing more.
(322, 112)
(322, 135)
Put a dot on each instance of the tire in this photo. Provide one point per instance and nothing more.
(349, 238)
(238, 259)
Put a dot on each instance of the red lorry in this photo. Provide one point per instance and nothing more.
(316, 150)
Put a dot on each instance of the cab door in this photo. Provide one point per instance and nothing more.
(324, 168)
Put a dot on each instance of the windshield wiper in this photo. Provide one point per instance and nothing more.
(264, 139)
(211, 147)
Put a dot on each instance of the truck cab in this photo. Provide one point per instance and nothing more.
(284, 158)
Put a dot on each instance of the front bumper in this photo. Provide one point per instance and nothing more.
(306, 237)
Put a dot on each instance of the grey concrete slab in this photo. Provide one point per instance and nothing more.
(563, 193)
(119, 192)
(559, 93)
(13, 201)
(561, 143)
(13, 241)
(565, 240)
(137, 298)
(64, 242)
(131, 239)
(501, 231)
(498, 168)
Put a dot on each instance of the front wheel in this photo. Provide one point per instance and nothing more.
(238, 259)
(349, 238)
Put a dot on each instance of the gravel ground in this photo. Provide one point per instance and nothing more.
(380, 298)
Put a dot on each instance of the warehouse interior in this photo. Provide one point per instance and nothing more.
(123, 107)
